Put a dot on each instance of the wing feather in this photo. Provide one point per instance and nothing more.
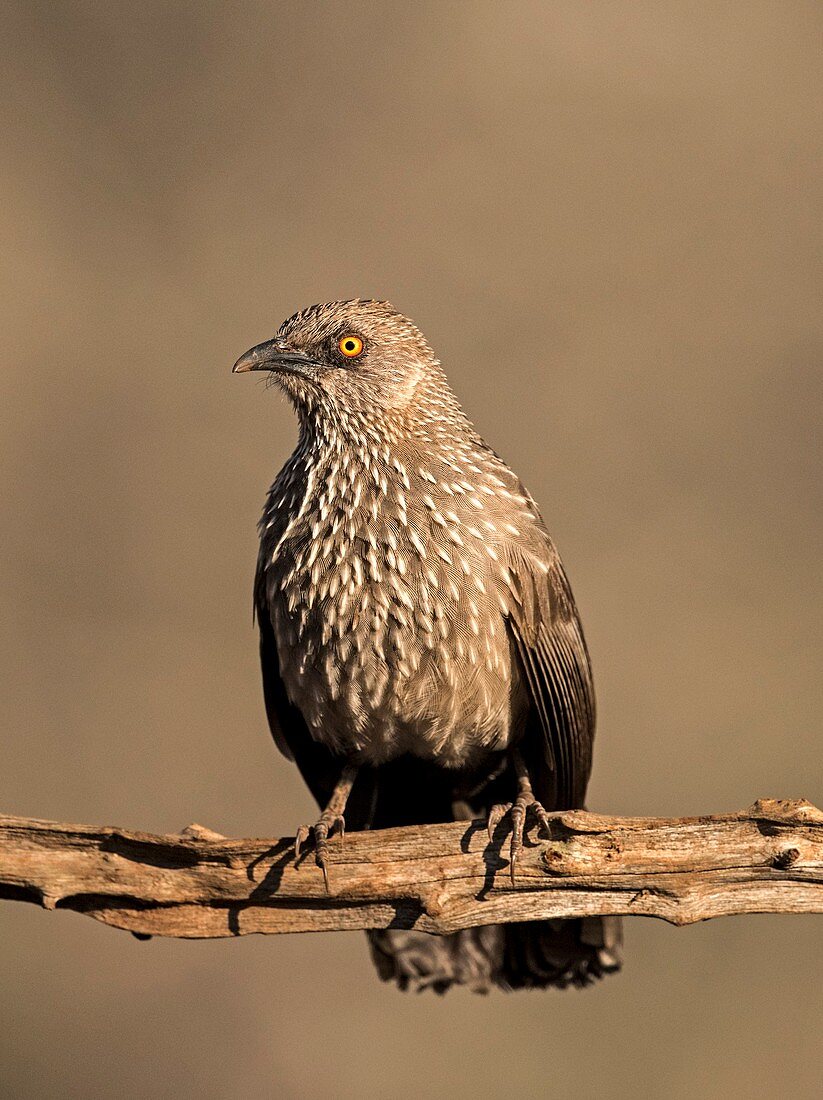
(320, 770)
(555, 664)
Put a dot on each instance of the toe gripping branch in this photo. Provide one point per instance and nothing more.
(324, 827)
(518, 811)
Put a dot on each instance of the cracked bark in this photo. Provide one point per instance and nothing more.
(436, 878)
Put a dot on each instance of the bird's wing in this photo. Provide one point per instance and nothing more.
(554, 662)
(318, 767)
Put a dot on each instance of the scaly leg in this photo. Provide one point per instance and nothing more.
(324, 827)
(518, 811)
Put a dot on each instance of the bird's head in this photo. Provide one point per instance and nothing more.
(347, 358)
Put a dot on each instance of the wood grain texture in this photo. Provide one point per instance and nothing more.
(437, 878)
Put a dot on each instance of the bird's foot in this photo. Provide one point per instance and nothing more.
(320, 832)
(332, 816)
(518, 812)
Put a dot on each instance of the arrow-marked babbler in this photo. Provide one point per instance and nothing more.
(423, 659)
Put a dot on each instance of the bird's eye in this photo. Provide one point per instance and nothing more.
(351, 346)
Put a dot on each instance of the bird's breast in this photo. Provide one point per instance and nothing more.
(389, 615)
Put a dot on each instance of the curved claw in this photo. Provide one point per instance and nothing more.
(300, 838)
(496, 815)
(543, 819)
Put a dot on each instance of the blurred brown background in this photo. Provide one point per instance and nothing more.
(607, 219)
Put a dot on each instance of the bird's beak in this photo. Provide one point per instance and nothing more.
(274, 355)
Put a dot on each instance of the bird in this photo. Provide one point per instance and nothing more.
(422, 656)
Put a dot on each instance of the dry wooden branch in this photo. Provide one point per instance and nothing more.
(438, 878)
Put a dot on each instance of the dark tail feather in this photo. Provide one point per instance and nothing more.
(560, 953)
(528, 955)
(418, 961)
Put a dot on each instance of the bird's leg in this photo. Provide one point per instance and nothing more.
(332, 816)
(518, 811)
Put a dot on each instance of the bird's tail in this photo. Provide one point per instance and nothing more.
(528, 955)
(560, 953)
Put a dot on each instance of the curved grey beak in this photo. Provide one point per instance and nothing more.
(274, 355)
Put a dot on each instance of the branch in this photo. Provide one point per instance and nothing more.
(437, 878)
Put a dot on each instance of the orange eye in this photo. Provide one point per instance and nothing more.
(351, 346)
